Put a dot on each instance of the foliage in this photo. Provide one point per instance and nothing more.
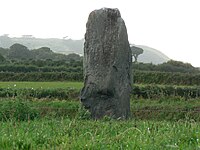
(17, 110)
(164, 108)
(167, 78)
(86, 134)
(73, 57)
(3, 52)
(139, 77)
(2, 59)
(47, 63)
(159, 91)
(56, 93)
(148, 101)
(69, 62)
(70, 90)
(41, 76)
(172, 72)
(18, 51)
(158, 123)
(176, 66)
(136, 51)
(179, 64)
(83, 114)
(170, 66)
(31, 68)
(42, 53)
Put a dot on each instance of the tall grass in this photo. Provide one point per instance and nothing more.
(34, 120)
(142, 109)
(89, 134)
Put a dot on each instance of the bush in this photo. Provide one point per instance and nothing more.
(17, 110)
(150, 91)
(66, 94)
(156, 92)
(41, 76)
(168, 78)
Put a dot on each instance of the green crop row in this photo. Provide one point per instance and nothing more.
(139, 91)
(168, 78)
(156, 91)
(67, 94)
(32, 68)
(163, 109)
(41, 76)
(139, 77)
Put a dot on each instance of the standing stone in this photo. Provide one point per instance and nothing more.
(107, 65)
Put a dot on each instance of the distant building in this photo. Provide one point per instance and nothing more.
(27, 36)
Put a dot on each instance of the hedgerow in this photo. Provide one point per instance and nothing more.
(138, 91)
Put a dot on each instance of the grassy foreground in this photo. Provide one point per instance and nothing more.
(28, 122)
(103, 134)
(61, 125)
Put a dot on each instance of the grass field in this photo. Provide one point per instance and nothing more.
(44, 85)
(60, 124)
(62, 134)
(77, 85)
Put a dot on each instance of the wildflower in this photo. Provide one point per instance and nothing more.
(148, 130)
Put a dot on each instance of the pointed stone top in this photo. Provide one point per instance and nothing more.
(109, 11)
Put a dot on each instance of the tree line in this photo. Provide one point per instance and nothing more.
(21, 64)
(20, 52)
(139, 77)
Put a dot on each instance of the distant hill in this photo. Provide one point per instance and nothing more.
(67, 46)
(151, 55)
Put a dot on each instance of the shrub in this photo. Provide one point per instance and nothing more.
(17, 110)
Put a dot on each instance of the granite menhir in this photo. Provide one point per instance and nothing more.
(107, 65)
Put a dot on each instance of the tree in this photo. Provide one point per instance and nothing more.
(3, 52)
(43, 53)
(136, 51)
(2, 59)
(74, 57)
(180, 64)
(18, 51)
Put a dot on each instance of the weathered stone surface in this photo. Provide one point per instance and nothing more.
(107, 65)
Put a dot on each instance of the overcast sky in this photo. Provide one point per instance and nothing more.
(171, 26)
